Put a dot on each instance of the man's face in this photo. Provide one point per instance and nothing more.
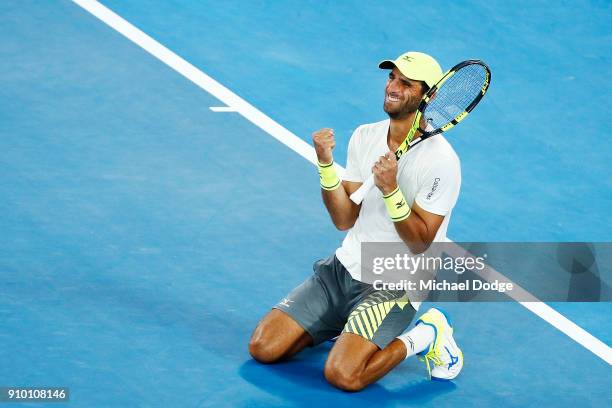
(402, 95)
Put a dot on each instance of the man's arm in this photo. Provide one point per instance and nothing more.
(419, 229)
(342, 210)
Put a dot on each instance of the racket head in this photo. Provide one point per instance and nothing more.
(458, 92)
(449, 101)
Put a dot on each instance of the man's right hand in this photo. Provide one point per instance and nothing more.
(324, 143)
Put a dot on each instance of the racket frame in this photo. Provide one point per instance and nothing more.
(407, 143)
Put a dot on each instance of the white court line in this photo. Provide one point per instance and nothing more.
(199, 78)
(296, 144)
(223, 109)
(533, 304)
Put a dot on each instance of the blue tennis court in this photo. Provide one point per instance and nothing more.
(144, 234)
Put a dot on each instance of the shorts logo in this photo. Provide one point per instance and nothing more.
(433, 188)
(285, 302)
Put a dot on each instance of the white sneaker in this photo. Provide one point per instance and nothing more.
(443, 352)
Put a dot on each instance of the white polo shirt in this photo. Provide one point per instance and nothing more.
(431, 176)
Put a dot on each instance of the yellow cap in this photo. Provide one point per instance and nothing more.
(417, 66)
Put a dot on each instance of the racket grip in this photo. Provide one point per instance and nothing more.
(360, 193)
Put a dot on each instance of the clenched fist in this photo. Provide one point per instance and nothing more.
(385, 173)
(324, 143)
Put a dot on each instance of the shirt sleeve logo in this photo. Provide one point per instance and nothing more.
(434, 187)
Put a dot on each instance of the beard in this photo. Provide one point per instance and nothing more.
(402, 110)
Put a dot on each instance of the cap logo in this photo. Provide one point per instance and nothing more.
(408, 58)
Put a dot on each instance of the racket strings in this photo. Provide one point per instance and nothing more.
(455, 95)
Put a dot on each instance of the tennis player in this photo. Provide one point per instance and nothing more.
(334, 301)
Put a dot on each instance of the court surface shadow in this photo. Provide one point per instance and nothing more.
(300, 382)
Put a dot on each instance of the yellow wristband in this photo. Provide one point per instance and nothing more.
(328, 177)
(396, 205)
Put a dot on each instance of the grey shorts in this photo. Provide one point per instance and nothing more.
(331, 302)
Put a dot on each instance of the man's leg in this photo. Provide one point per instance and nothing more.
(303, 318)
(359, 359)
(354, 362)
(277, 337)
(368, 348)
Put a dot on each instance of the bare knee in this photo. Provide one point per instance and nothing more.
(277, 337)
(262, 351)
(342, 378)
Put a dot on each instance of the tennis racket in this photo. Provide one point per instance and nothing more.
(447, 103)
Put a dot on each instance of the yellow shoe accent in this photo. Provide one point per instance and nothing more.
(443, 353)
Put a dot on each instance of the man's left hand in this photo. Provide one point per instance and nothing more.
(385, 173)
